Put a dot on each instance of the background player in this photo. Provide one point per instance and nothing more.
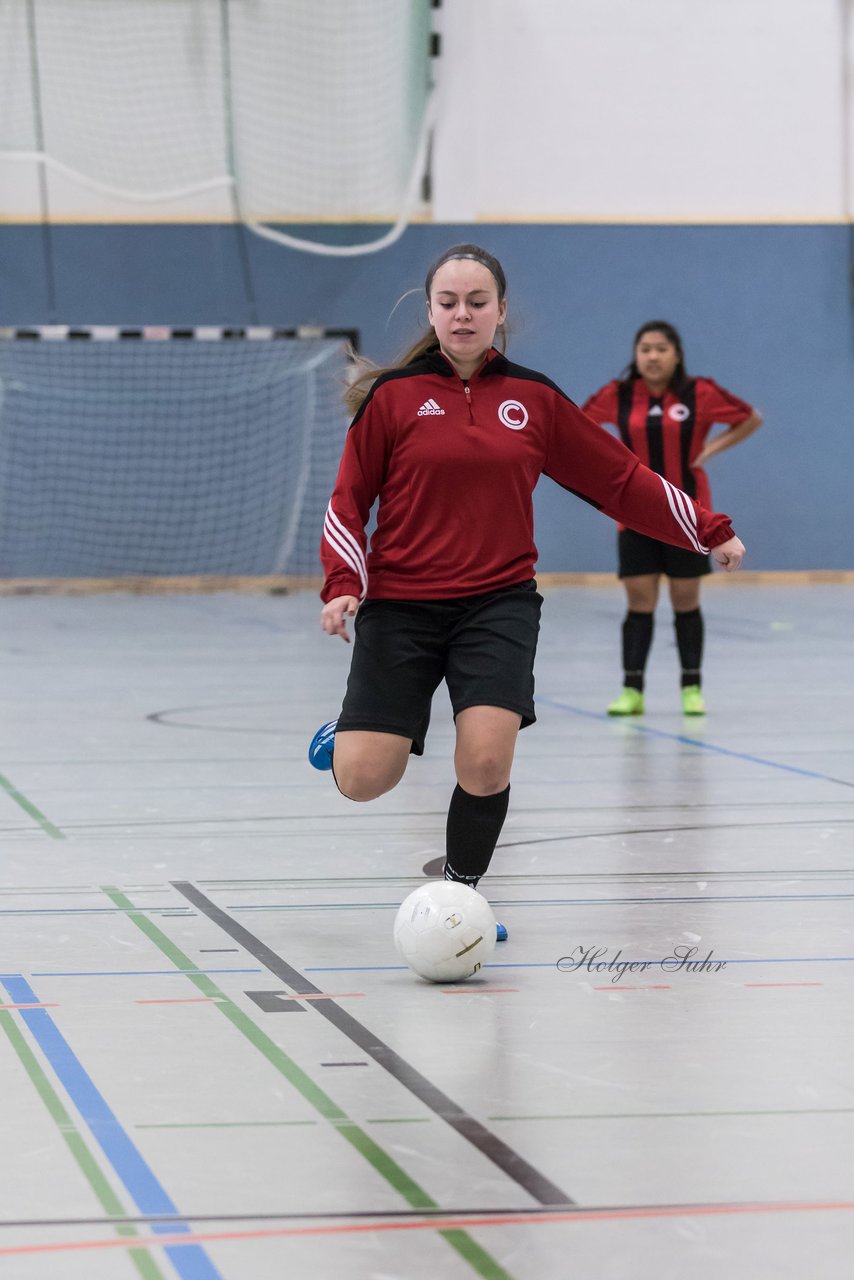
(665, 417)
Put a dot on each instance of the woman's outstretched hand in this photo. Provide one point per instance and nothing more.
(729, 555)
(333, 614)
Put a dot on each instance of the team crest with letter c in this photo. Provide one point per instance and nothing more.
(679, 412)
(513, 414)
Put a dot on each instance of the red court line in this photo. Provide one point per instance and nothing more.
(29, 1006)
(432, 1224)
(784, 984)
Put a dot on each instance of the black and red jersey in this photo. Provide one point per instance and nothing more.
(454, 465)
(667, 432)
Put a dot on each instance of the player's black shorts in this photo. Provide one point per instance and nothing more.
(639, 554)
(482, 646)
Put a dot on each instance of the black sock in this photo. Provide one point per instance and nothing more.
(689, 641)
(637, 639)
(474, 825)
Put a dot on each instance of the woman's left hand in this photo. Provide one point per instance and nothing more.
(729, 555)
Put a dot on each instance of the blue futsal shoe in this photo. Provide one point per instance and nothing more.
(500, 932)
(322, 745)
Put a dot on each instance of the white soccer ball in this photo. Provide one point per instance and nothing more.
(445, 931)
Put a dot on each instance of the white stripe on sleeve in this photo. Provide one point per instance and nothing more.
(342, 541)
(684, 514)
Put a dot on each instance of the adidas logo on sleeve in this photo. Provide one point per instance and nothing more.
(429, 407)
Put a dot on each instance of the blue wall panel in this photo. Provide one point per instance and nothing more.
(765, 310)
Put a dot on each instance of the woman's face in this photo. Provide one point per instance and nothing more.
(656, 358)
(465, 311)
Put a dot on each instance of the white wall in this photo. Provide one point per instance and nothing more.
(643, 109)
(139, 101)
(585, 110)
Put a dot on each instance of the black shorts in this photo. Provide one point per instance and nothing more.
(640, 555)
(482, 646)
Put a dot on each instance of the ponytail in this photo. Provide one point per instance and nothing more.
(366, 372)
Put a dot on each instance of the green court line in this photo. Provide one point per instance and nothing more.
(94, 1175)
(401, 1120)
(623, 1115)
(270, 1124)
(28, 807)
(688, 1115)
(477, 1257)
(226, 1124)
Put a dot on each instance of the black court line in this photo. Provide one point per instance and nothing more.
(673, 830)
(345, 1215)
(367, 1215)
(488, 1144)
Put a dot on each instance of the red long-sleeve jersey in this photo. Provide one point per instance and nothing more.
(667, 432)
(454, 465)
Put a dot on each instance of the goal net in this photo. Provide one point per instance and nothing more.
(167, 452)
(269, 111)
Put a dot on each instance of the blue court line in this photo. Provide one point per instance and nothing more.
(88, 911)
(692, 742)
(190, 1260)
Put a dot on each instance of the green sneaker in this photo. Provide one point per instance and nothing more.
(629, 703)
(692, 701)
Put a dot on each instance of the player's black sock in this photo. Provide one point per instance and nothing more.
(637, 638)
(474, 825)
(689, 640)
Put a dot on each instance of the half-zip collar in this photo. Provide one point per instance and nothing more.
(493, 362)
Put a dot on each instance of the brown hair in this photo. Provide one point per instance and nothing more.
(366, 372)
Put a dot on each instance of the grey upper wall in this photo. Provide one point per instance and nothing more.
(765, 310)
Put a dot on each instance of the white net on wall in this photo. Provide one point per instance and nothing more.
(295, 111)
(158, 454)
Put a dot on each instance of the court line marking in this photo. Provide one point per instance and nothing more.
(383, 1164)
(488, 1144)
(552, 964)
(700, 896)
(226, 1124)
(783, 984)
(648, 730)
(29, 1006)
(180, 1000)
(552, 877)
(618, 986)
(131, 973)
(222, 827)
(674, 829)
(684, 1115)
(189, 1259)
(334, 995)
(75, 1143)
(29, 808)
(426, 1216)
(556, 879)
(447, 1225)
(479, 991)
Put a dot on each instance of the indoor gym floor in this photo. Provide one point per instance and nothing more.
(179, 886)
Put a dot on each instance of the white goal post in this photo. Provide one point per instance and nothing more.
(158, 451)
